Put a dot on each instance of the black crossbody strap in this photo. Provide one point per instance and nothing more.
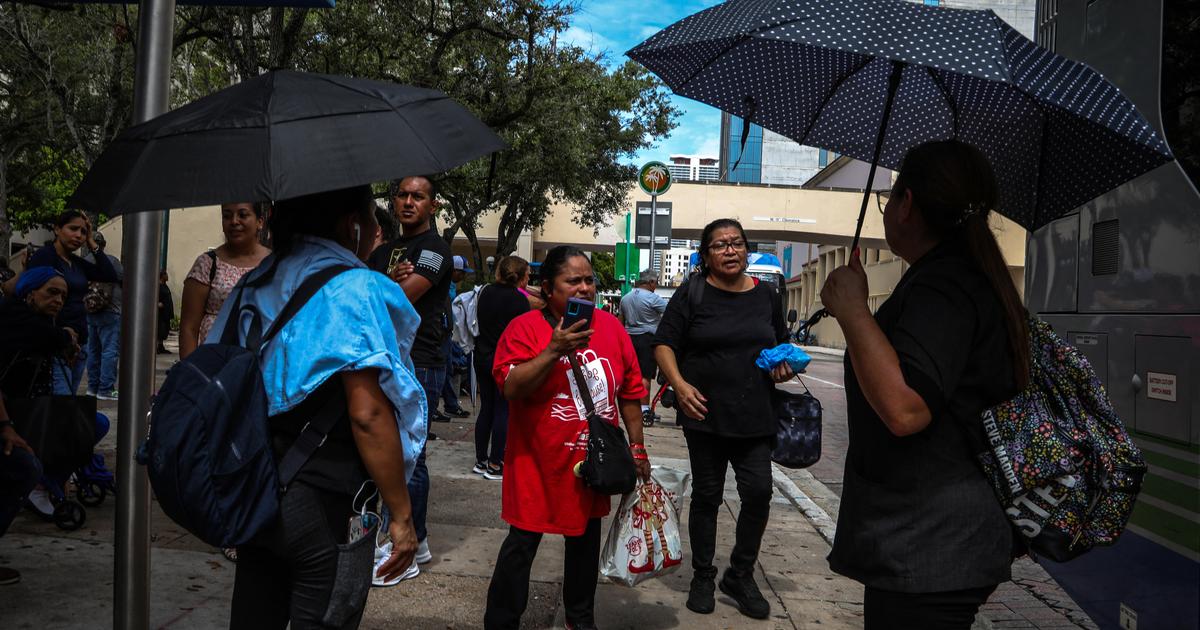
(314, 433)
(311, 437)
(580, 382)
(303, 293)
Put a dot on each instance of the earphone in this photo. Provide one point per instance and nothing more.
(357, 236)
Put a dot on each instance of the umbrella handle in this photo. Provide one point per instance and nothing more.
(893, 85)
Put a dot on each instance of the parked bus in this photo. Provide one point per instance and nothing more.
(1120, 279)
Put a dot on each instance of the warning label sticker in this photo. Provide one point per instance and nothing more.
(1160, 386)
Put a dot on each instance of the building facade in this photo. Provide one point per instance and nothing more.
(694, 168)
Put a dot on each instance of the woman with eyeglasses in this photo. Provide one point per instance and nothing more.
(724, 406)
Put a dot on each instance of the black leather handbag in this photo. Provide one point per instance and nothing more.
(61, 430)
(798, 438)
(608, 467)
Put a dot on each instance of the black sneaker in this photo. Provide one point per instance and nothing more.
(459, 413)
(9, 576)
(744, 591)
(440, 417)
(700, 595)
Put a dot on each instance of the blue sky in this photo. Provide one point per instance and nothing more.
(613, 27)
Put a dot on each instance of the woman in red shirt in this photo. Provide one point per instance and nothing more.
(547, 437)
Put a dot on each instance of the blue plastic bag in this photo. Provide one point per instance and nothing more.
(796, 358)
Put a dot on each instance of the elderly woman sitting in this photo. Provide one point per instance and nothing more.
(29, 336)
(30, 341)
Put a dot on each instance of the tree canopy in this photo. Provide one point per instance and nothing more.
(571, 119)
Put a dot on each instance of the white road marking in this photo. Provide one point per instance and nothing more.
(821, 380)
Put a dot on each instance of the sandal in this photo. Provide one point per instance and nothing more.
(230, 553)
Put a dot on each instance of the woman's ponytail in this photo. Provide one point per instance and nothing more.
(955, 189)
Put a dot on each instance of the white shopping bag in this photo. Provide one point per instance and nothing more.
(644, 539)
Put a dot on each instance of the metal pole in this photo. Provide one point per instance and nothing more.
(625, 271)
(653, 220)
(139, 252)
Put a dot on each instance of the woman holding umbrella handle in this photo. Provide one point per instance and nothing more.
(918, 524)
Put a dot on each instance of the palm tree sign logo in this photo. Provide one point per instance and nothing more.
(655, 178)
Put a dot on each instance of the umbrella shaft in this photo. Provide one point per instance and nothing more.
(893, 85)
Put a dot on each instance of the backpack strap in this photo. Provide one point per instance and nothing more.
(311, 437)
(314, 433)
(580, 381)
(212, 269)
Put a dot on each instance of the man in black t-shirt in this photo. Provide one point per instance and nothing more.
(419, 261)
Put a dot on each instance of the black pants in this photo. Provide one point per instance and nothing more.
(509, 592)
(288, 572)
(751, 459)
(491, 426)
(949, 610)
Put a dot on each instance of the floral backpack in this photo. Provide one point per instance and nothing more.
(1058, 457)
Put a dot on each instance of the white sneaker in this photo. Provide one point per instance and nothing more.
(107, 395)
(480, 468)
(39, 498)
(382, 552)
(424, 556)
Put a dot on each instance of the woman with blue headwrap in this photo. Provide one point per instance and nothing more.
(30, 341)
(29, 335)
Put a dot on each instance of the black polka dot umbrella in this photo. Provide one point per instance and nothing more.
(823, 73)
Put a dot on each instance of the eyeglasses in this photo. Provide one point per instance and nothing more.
(720, 246)
(881, 199)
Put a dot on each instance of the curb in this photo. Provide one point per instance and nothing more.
(824, 525)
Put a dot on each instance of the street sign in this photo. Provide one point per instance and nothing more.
(662, 223)
(625, 263)
(654, 178)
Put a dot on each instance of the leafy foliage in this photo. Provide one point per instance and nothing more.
(569, 119)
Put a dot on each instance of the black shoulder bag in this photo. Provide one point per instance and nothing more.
(797, 417)
(608, 468)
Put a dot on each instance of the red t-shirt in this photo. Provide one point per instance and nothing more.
(547, 431)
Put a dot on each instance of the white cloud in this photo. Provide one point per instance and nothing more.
(589, 40)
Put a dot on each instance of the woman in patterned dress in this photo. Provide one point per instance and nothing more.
(217, 271)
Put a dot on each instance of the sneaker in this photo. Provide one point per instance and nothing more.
(480, 468)
(495, 474)
(431, 436)
(91, 392)
(424, 556)
(107, 395)
(458, 413)
(382, 552)
(700, 595)
(39, 502)
(9, 576)
(744, 591)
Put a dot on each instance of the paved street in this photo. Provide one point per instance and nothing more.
(67, 576)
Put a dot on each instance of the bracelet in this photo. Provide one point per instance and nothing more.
(641, 456)
(636, 445)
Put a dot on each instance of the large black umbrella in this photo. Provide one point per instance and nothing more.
(827, 73)
(280, 135)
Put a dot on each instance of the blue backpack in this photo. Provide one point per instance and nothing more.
(209, 452)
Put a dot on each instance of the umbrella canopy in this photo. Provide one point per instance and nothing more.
(818, 71)
(281, 135)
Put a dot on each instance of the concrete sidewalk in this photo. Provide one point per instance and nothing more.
(67, 577)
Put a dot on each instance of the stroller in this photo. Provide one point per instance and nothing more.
(93, 483)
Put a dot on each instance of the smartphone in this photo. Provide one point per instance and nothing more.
(577, 310)
(399, 255)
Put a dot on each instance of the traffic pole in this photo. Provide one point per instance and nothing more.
(653, 220)
(139, 252)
